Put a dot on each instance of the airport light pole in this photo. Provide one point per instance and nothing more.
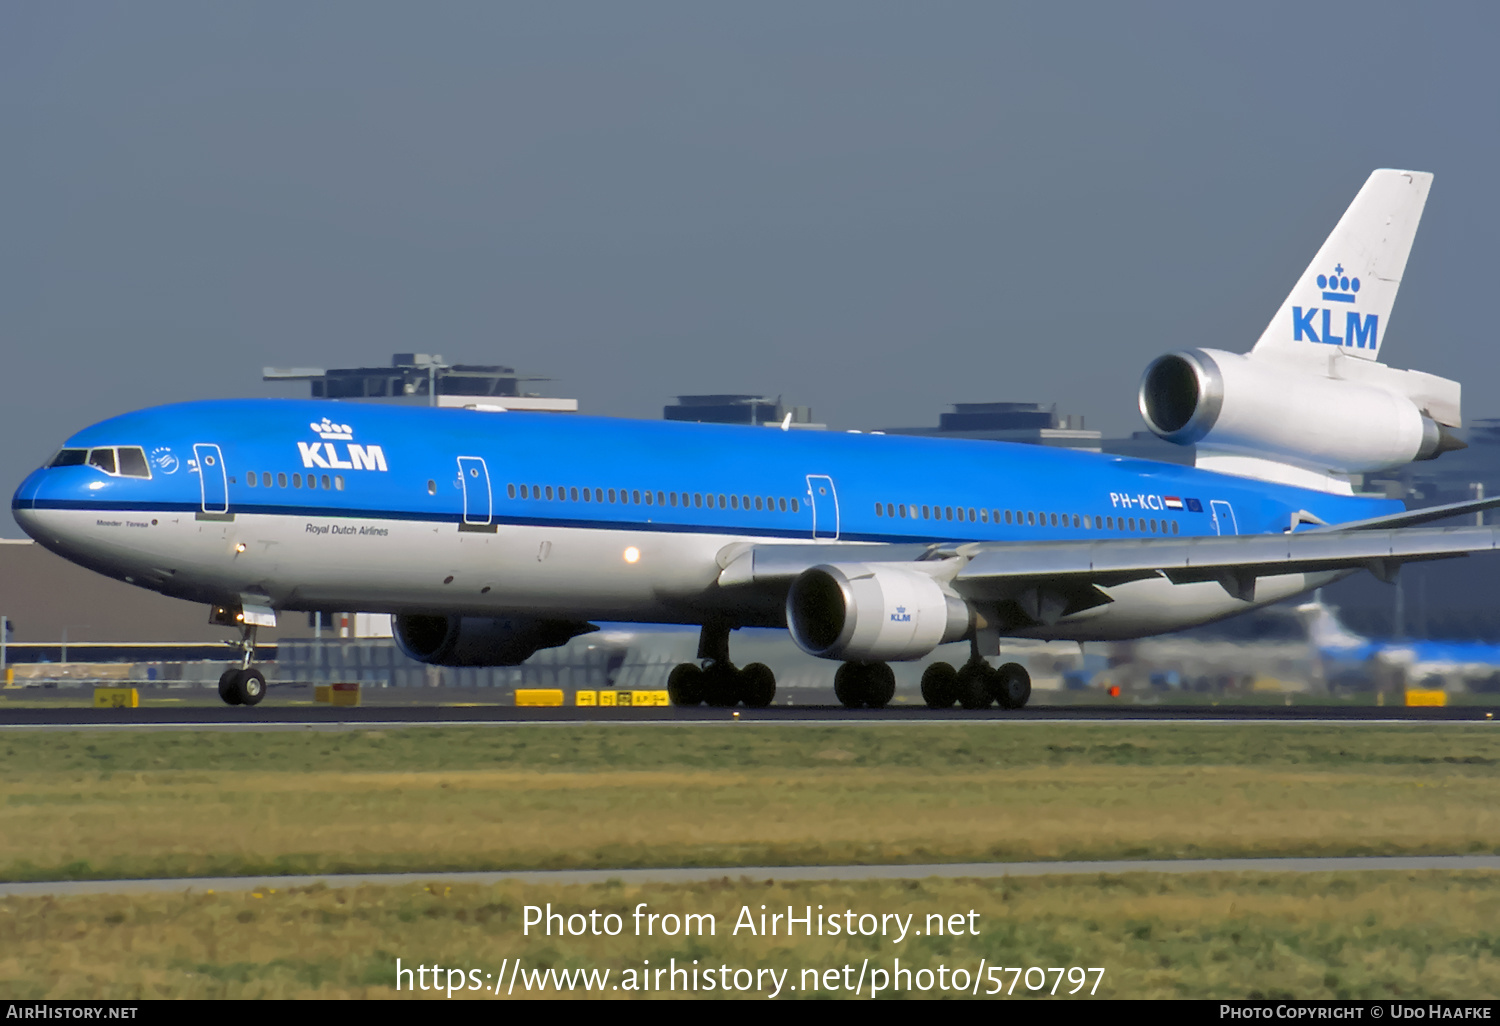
(64, 658)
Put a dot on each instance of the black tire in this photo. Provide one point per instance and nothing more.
(229, 689)
(251, 685)
(974, 686)
(940, 686)
(685, 684)
(757, 685)
(849, 686)
(1012, 686)
(880, 685)
(721, 687)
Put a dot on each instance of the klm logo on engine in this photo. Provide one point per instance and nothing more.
(326, 453)
(1320, 324)
(900, 615)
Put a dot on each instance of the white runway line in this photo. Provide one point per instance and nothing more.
(781, 874)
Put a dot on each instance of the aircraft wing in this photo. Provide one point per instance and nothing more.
(1234, 561)
(994, 569)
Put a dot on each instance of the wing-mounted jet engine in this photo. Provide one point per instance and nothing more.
(1311, 404)
(450, 640)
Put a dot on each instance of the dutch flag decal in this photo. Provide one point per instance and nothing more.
(1172, 501)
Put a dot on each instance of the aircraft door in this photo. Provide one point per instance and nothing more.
(825, 506)
(1223, 515)
(479, 509)
(213, 482)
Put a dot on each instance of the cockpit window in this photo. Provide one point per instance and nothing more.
(117, 461)
(70, 458)
(133, 461)
(104, 459)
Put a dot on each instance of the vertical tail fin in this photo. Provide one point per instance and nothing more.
(1344, 298)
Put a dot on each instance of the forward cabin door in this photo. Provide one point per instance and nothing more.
(213, 482)
(825, 506)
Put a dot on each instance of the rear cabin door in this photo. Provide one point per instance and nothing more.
(825, 506)
(213, 482)
(1223, 513)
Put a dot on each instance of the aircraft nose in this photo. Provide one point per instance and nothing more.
(39, 508)
(23, 502)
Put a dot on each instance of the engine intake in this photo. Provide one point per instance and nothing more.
(1287, 412)
(872, 612)
(449, 640)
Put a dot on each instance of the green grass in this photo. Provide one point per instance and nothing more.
(168, 803)
(1330, 936)
(937, 747)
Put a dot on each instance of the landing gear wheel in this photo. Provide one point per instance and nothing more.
(757, 685)
(864, 685)
(252, 686)
(880, 685)
(721, 686)
(229, 687)
(685, 684)
(242, 687)
(974, 686)
(848, 688)
(1011, 686)
(939, 685)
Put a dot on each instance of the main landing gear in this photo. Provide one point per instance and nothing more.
(243, 684)
(864, 685)
(975, 685)
(717, 681)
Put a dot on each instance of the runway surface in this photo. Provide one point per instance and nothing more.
(781, 874)
(271, 716)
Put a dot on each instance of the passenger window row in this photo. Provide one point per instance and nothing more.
(114, 460)
(646, 497)
(1029, 518)
(280, 481)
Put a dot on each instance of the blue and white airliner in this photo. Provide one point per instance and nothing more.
(490, 534)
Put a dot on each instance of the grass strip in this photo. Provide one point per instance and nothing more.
(1327, 935)
(80, 806)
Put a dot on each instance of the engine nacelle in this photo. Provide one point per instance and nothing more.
(448, 640)
(872, 612)
(1281, 411)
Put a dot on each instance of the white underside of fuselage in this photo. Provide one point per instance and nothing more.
(412, 566)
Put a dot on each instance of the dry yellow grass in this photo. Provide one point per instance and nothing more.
(1367, 935)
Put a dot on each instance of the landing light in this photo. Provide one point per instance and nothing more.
(240, 547)
(632, 554)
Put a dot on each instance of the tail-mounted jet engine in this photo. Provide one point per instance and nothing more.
(873, 612)
(448, 640)
(1374, 419)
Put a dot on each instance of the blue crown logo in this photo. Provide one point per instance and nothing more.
(1338, 287)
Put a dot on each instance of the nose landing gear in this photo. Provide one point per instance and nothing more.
(243, 684)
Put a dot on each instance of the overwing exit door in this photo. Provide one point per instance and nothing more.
(825, 506)
(479, 501)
